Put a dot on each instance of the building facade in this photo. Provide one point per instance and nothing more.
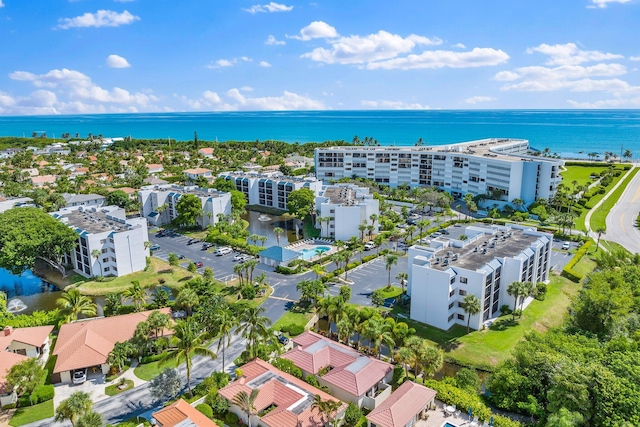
(120, 241)
(500, 168)
(482, 261)
(270, 189)
(342, 208)
(159, 203)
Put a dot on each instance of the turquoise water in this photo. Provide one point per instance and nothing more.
(562, 131)
(310, 253)
(30, 289)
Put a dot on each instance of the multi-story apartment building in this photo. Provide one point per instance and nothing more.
(346, 206)
(482, 261)
(120, 241)
(159, 203)
(500, 168)
(270, 189)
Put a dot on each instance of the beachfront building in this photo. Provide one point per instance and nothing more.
(499, 168)
(270, 189)
(477, 260)
(159, 203)
(348, 374)
(282, 399)
(342, 208)
(120, 240)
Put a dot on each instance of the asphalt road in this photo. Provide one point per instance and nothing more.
(622, 218)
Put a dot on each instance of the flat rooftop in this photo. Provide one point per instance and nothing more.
(343, 195)
(274, 176)
(94, 222)
(196, 191)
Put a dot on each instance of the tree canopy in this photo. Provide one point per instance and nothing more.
(301, 203)
(189, 208)
(26, 233)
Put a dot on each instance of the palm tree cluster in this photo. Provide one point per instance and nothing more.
(421, 357)
(520, 291)
(77, 410)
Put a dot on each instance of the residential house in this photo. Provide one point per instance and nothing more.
(283, 400)
(408, 404)
(154, 168)
(350, 375)
(43, 180)
(86, 344)
(84, 199)
(195, 173)
(206, 152)
(181, 414)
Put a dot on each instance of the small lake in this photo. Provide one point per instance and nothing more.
(34, 292)
(263, 224)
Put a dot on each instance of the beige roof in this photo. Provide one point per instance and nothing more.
(7, 361)
(35, 336)
(88, 342)
(206, 150)
(196, 171)
(43, 179)
(402, 406)
(180, 411)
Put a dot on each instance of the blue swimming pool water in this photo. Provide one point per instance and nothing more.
(310, 253)
(449, 425)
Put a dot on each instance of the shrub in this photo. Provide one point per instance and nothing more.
(292, 329)
(205, 410)
(352, 415)
(218, 404)
(568, 270)
(152, 358)
(398, 375)
(541, 291)
(220, 423)
(42, 393)
(311, 379)
(248, 292)
(286, 365)
(231, 418)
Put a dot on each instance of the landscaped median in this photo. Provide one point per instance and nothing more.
(599, 217)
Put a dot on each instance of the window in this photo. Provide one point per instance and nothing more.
(452, 293)
(104, 251)
(451, 306)
(105, 259)
(462, 292)
(103, 241)
(463, 280)
(113, 259)
(460, 316)
(106, 269)
(110, 240)
(450, 318)
(453, 280)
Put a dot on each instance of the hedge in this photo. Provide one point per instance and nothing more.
(42, 393)
(568, 270)
(153, 358)
(226, 240)
(205, 410)
(452, 395)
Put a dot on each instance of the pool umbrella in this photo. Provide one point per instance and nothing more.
(470, 413)
(491, 421)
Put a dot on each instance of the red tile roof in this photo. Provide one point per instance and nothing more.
(291, 396)
(180, 411)
(351, 370)
(7, 361)
(402, 406)
(35, 336)
(88, 343)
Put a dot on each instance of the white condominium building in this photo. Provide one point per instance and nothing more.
(119, 240)
(482, 261)
(346, 206)
(159, 203)
(500, 168)
(270, 189)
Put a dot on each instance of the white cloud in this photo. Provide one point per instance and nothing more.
(479, 99)
(117, 61)
(604, 3)
(607, 103)
(570, 54)
(265, 64)
(268, 8)
(272, 41)
(478, 57)
(361, 50)
(1, 4)
(222, 63)
(236, 100)
(459, 46)
(394, 105)
(246, 89)
(316, 30)
(572, 77)
(102, 18)
(634, 58)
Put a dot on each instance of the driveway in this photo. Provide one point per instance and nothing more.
(622, 218)
(94, 385)
(560, 257)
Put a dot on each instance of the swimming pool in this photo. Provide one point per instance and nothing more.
(310, 253)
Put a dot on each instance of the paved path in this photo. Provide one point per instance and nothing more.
(621, 220)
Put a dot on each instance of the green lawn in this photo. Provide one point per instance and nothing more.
(599, 217)
(133, 422)
(579, 222)
(149, 370)
(33, 413)
(173, 277)
(391, 291)
(113, 389)
(580, 174)
(293, 317)
(611, 246)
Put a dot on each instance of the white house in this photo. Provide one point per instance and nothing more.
(501, 168)
(120, 241)
(482, 261)
(346, 206)
(195, 173)
(270, 189)
(159, 203)
(83, 199)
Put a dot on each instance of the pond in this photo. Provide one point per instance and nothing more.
(32, 291)
(263, 224)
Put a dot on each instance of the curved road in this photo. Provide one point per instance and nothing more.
(622, 218)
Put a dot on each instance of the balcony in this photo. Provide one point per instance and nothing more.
(376, 395)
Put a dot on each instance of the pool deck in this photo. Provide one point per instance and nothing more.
(438, 418)
(312, 245)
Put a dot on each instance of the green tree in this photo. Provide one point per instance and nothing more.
(188, 340)
(29, 233)
(254, 327)
(226, 322)
(471, 306)
(516, 290)
(278, 232)
(247, 402)
(136, 294)
(118, 198)
(112, 303)
(345, 293)
(120, 354)
(72, 304)
(173, 259)
(565, 418)
(301, 203)
(238, 201)
(166, 385)
(90, 419)
(403, 277)
(73, 407)
(191, 268)
(389, 262)
(310, 290)
(158, 322)
(224, 185)
(189, 208)
(25, 376)
(207, 274)
(187, 298)
(599, 232)
(468, 378)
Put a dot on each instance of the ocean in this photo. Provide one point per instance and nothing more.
(569, 133)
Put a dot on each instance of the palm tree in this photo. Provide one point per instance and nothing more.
(249, 266)
(119, 355)
(72, 304)
(96, 254)
(370, 229)
(599, 231)
(390, 261)
(226, 322)
(423, 225)
(403, 277)
(326, 407)
(516, 290)
(373, 218)
(627, 154)
(73, 407)
(278, 232)
(471, 306)
(136, 294)
(318, 270)
(362, 227)
(262, 239)
(188, 338)
(158, 322)
(345, 328)
(431, 360)
(90, 419)
(254, 327)
(246, 402)
(379, 332)
(239, 270)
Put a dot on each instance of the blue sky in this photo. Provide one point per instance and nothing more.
(105, 56)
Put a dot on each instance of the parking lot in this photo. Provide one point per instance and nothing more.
(560, 257)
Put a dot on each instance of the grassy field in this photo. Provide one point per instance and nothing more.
(149, 370)
(293, 317)
(391, 291)
(580, 174)
(579, 222)
(113, 389)
(599, 217)
(133, 422)
(173, 276)
(33, 413)
(612, 246)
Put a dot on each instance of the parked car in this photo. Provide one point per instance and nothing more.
(436, 234)
(566, 245)
(443, 231)
(283, 339)
(239, 257)
(369, 245)
(154, 247)
(180, 256)
(199, 264)
(223, 251)
(206, 246)
(79, 376)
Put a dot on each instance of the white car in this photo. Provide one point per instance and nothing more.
(566, 245)
(223, 251)
(79, 376)
(369, 246)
